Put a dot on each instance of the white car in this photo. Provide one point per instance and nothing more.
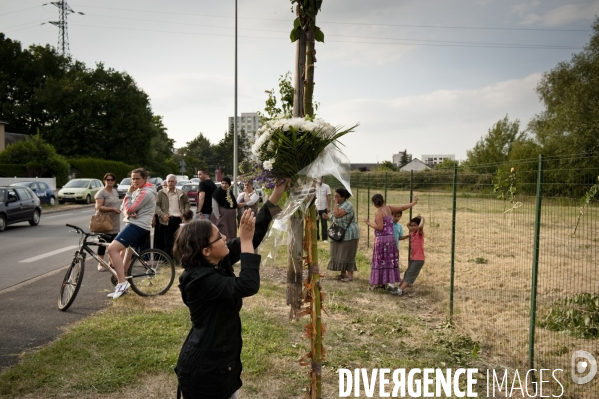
(123, 187)
(79, 190)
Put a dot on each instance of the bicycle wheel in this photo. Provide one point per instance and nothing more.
(71, 283)
(152, 273)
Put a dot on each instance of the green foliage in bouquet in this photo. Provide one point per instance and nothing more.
(286, 146)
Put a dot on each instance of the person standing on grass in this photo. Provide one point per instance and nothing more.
(416, 227)
(140, 205)
(343, 252)
(385, 262)
(171, 203)
(209, 364)
(398, 232)
(205, 191)
(323, 205)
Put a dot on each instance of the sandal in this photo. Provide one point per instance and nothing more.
(347, 279)
(340, 277)
(101, 268)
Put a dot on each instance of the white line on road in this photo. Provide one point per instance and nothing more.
(48, 254)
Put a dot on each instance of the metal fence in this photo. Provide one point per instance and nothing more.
(511, 255)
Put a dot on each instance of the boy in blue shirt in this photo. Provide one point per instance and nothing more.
(398, 233)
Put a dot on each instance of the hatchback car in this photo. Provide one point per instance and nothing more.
(79, 190)
(123, 187)
(18, 204)
(181, 183)
(41, 189)
(191, 190)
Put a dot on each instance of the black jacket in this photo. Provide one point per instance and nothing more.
(209, 364)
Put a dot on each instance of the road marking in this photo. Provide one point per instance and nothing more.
(48, 254)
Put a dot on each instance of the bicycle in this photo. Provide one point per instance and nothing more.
(151, 272)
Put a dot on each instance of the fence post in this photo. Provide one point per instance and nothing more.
(411, 195)
(535, 266)
(357, 198)
(453, 222)
(386, 199)
(368, 210)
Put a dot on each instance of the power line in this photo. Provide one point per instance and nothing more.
(449, 44)
(63, 34)
(352, 23)
(349, 36)
(23, 9)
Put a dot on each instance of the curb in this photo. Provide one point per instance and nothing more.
(64, 208)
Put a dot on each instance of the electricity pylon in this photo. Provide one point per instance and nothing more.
(63, 34)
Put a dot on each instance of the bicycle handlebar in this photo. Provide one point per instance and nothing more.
(80, 230)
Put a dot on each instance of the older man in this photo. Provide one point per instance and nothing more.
(171, 203)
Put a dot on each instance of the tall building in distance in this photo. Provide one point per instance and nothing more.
(432, 160)
(248, 121)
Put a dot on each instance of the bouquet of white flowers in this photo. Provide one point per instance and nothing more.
(285, 146)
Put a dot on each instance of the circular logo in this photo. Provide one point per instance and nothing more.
(579, 366)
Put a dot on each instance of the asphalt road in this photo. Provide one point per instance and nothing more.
(33, 261)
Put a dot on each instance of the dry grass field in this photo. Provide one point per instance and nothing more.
(493, 270)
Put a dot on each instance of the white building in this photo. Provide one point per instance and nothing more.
(397, 158)
(432, 160)
(248, 121)
(416, 165)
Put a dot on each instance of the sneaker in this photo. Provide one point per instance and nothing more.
(397, 292)
(119, 290)
(391, 287)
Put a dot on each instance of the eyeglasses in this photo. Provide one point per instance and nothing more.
(108, 179)
(220, 236)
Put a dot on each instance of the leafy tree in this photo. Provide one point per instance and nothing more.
(447, 164)
(39, 156)
(495, 147)
(286, 91)
(387, 166)
(569, 125)
(83, 112)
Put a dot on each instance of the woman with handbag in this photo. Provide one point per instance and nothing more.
(344, 246)
(108, 205)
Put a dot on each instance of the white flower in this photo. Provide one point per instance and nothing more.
(268, 164)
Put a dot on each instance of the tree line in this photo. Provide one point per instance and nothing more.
(97, 112)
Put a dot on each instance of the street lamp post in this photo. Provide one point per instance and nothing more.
(235, 140)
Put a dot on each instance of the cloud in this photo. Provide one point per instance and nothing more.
(443, 121)
(559, 16)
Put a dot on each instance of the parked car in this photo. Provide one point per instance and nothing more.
(41, 189)
(156, 181)
(79, 190)
(181, 183)
(191, 189)
(123, 187)
(18, 204)
(195, 180)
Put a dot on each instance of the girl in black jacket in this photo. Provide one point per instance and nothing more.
(209, 364)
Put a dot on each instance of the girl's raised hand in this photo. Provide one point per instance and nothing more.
(247, 225)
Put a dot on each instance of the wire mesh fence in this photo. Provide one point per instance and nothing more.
(511, 255)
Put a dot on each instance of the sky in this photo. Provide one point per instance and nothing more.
(426, 76)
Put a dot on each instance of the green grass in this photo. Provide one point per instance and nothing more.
(130, 349)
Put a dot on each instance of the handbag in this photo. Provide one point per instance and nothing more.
(336, 232)
(100, 223)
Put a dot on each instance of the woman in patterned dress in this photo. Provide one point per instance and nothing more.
(385, 260)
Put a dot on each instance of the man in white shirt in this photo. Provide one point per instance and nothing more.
(323, 205)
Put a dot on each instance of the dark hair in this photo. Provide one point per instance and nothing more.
(398, 212)
(204, 171)
(142, 172)
(109, 174)
(227, 179)
(415, 220)
(190, 240)
(187, 216)
(343, 193)
(378, 200)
